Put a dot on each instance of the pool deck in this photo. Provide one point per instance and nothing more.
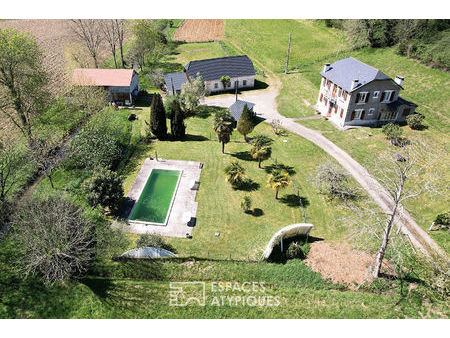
(184, 207)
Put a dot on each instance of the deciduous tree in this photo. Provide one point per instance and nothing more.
(89, 32)
(23, 80)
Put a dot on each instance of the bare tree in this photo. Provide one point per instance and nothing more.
(405, 174)
(88, 31)
(55, 240)
(110, 34)
(89, 99)
(46, 154)
(119, 25)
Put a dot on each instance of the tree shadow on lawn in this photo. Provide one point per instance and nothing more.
(244, 156)
(247, 185)
(257, 212)
(204, 112)
(293, 200)
(290, 170)
(190, 137)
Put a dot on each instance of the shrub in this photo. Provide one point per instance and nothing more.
(54, 239)
(154, 241)
(415, 121)
(297, 250)
(246, 204)
(394, 134)
(100, 143)
(245, 124)
(443, 219)
(104, 188)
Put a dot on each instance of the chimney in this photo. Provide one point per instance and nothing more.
(187, 75)
(326, 67)
(399, 80)
(355, 84)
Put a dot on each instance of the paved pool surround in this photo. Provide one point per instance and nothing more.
(184, 206)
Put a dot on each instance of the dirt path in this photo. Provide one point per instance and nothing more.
(266, 107)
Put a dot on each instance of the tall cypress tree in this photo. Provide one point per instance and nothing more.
(177, 126)
(158, 125)
(245, 124)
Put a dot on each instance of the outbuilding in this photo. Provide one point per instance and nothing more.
(122, 84)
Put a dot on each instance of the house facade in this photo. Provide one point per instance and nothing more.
(240, 69)
(353, 93)
(122, 84)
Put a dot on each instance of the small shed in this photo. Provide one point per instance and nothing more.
(174, 82)
(121, 84)
(237, 108)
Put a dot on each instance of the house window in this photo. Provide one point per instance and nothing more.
(387, 96)
(358, 114)
(329, 84)
(325, 101)
(334, 90)
(244, 82)
(342, 113)
(362, 97)
(362, 115)
(216, 85)
(353, 115)
(345, 95)
(321, 97)
(324, 81)
(229, 84)
(335, 109)
(340, 91)
(376, 94)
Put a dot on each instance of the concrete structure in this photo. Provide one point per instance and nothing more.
(301, 229)
(122, 84)
(353, 93)
(239, 68)
(182, 214)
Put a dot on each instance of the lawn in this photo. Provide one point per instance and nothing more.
(242, 235)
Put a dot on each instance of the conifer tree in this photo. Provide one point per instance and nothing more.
(158, 124)
(177, 126)
(245, 124)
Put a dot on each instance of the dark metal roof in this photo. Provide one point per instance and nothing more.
(178, 80)
(214, 69)
(344, 71)
(237, 108)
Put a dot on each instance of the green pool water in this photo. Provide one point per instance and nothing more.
(156, 198)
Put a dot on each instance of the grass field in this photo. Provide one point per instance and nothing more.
(141, 290)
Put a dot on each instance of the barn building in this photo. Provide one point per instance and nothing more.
(122, 84)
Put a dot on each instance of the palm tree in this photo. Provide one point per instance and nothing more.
(223, 124)
(246, 204)
(278, 179)
(261, 149)
(235, 173)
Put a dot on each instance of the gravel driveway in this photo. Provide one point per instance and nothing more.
(266, 107)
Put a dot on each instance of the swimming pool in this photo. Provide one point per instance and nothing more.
(155, 201)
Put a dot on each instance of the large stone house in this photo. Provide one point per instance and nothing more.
(239, 68)
(122, 84)
(353, 93)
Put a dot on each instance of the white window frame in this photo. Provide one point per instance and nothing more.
(389, 96)
(244, 82)
(376, 94)
(363, 95)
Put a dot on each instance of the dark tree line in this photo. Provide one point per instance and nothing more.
(424, 39)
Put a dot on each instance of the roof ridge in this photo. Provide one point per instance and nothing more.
(222, 57)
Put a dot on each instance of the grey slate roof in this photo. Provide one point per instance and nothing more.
(214, 69)
(344, 71)
(237, 108)
(178, 80)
